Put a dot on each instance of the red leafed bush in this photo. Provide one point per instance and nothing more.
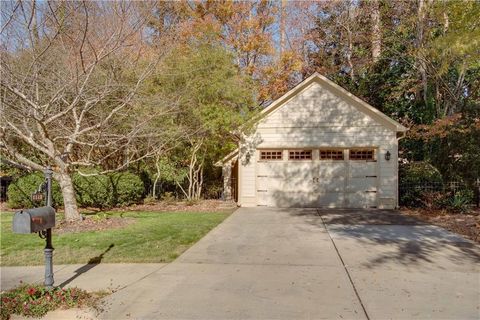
(36, 301)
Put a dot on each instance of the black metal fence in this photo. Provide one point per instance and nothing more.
(4, 182)
(419, 193)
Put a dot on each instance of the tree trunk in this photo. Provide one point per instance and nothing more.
(422, 68)
(350, 45)
(68, 193)
(283, 9)
(195, 173)
(376, 31)
(157, 177)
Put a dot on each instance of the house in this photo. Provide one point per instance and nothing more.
(316, 146)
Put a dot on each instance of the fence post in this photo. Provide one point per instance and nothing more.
(478, 192)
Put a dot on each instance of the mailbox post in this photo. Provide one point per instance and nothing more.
(48, 235)
(40, 220)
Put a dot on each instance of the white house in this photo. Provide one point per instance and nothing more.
(316, 146)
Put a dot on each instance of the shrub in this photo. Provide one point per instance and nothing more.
(433, 199)
(213, 191)
(191, 202)
(460, 201)
(20, 191)
(149, 200)
(413, 178)
(104, 191)
(36, 300)
(169, 198)
(419, 172)
(127, 189)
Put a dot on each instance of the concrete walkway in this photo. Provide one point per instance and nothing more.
(93, 277)
(265, 263)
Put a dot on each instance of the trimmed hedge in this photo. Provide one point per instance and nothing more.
(104, 191)
(20, 191)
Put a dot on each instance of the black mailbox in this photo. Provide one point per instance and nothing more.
(34, 220)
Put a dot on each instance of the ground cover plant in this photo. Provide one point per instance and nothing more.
(35, 300)
(145, 237)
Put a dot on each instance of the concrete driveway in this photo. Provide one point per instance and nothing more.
(266, 263)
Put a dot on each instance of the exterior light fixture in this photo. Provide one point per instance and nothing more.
(247, 156)
(387, 156)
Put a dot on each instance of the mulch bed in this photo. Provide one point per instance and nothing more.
(92, 223)
(98, 222)
(466, 224)
(197, 206)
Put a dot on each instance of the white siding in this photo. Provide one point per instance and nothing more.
(248, 179)
(315, 107)
(318, 118)
(322, 137)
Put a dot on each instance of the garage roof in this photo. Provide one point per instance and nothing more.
(333, 87)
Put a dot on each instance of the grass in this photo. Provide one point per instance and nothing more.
(153, 237)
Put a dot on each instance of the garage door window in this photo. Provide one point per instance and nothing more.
(364, 154)
(331, 154)
(271, 155)
(300, 155)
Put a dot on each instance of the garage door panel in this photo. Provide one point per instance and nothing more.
(299, 173)
(298, 177)
(291, 199)
(270, 169)
(362, 168)
(334, 184)
(267, 188)
(331, 169)
(330, 180)
(329, 200)
(267, 198)
(304, 185)
(330, 189)
(269, 183)
(360, 199)
(362, 184)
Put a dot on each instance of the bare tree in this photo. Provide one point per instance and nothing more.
(70, 75)
(419, 41)
(194, 173)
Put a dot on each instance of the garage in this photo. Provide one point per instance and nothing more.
(331, 178)
(316, 146)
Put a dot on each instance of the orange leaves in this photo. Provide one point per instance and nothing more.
(249, 29)
(241, 26)
(278, 75)
(201, 28)
(443, 127)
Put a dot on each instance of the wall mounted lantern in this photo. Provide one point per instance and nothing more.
(387, 156)
(247, 156)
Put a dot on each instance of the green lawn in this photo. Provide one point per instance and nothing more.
(153, 237)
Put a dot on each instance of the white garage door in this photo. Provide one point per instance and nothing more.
(323, 179)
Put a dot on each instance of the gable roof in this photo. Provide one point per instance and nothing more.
(334, 88)
(231, 156)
